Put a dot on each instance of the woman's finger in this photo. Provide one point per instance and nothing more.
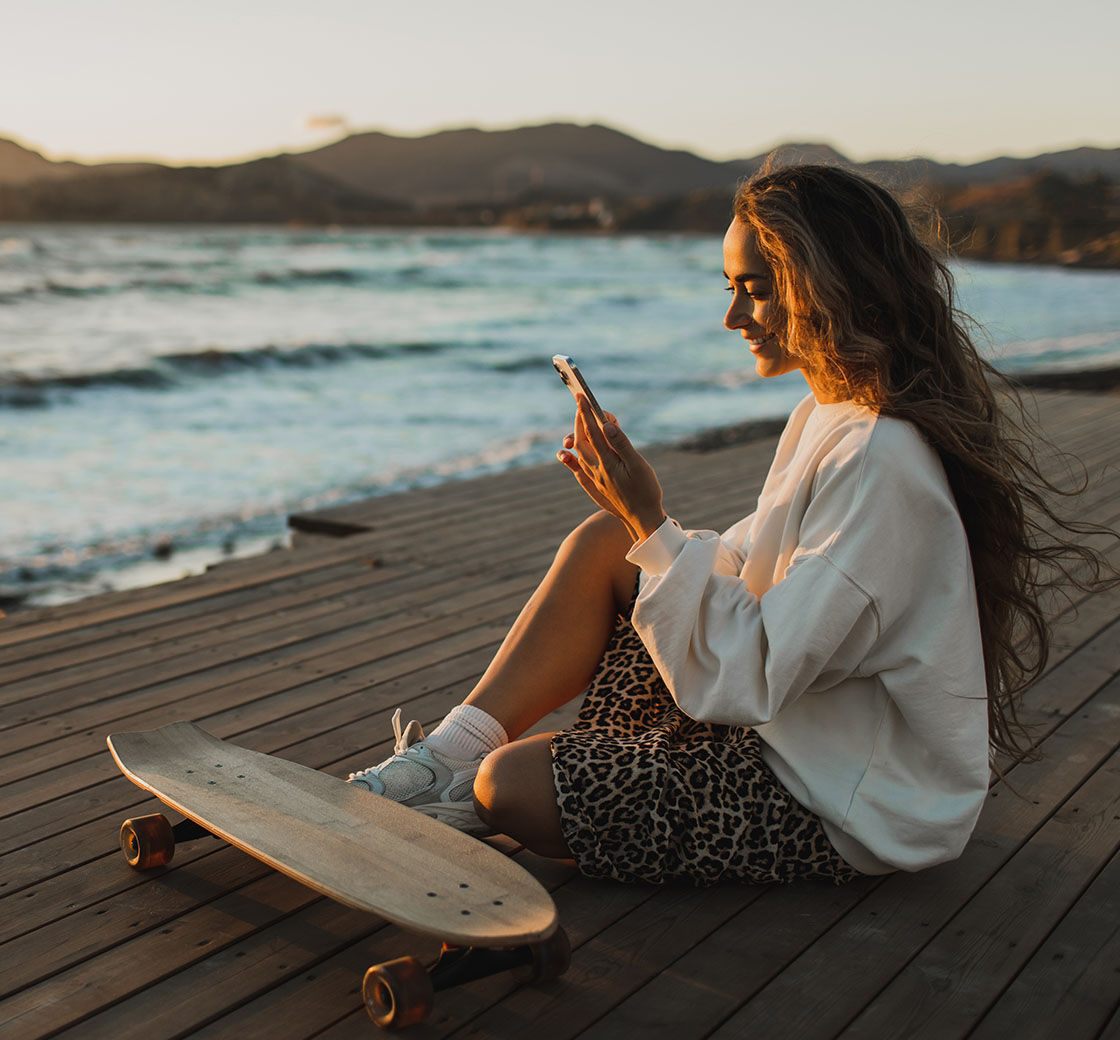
(587, 420)
(585, 430)
(585, 480)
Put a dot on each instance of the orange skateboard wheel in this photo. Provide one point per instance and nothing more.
(147, 841)
(398, 993)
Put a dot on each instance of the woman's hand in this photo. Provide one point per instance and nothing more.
(612, 472)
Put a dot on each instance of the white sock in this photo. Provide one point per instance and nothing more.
(467, 733)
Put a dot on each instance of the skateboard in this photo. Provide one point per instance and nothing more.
(352, 846)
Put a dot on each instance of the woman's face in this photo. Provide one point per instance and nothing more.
(748, 278)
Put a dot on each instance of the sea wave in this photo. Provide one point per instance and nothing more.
(203, 282)
(18, 390)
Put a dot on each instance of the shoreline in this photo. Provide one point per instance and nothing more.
(170, 564)
(1091, 380)
(1088, 380)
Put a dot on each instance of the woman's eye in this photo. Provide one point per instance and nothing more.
(757, 295)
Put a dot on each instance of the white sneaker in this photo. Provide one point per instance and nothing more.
(426, 780)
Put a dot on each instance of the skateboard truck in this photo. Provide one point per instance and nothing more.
(149, 841)
(401, 992)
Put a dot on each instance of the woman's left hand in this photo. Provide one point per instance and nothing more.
(613, 473)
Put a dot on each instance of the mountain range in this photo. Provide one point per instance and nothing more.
(559, 175)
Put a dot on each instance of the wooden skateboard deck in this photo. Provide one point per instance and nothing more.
(353, 846)
(343, 841)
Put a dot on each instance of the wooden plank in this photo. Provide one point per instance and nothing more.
(294, 637)
(113, 904)
(70, 996)
(489, 495)
(201, 612)
(53, 816)
(1068, 989)
(957, 976)
(708, 981)
(619, 956)
(231, 576)
(339, 649)
(50, 654)
(181, 1004)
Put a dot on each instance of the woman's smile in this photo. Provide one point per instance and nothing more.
(758, 342)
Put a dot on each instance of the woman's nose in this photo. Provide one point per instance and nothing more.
(735, 318)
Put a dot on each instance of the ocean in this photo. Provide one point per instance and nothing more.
(169, 394)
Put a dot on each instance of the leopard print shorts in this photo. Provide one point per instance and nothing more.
(648, 794)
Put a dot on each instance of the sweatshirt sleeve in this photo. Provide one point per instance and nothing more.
(730, 657)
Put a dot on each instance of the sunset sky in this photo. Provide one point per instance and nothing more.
(216, 80)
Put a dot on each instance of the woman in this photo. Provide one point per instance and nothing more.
(815, 692)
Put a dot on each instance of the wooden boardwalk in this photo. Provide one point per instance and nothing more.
(306, 653)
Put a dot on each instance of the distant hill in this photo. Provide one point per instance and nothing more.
(477, 166)
(1060, 207)
(269, 190)
(21, 165)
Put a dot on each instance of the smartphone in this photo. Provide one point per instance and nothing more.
(574, 381)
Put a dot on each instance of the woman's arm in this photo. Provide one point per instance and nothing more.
(730, 657)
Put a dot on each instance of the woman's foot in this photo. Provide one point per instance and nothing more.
(426, 779)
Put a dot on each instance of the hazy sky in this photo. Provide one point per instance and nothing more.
(213, 80)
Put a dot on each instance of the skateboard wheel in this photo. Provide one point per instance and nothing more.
(550, 959)
(147, 841)
(398, 993)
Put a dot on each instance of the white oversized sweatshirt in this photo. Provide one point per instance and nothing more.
(839, 620)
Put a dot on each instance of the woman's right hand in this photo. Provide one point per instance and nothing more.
(613, 472)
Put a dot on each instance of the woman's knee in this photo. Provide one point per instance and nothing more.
(602, 542)
(601, 532)
(514, 794)
(511, 779)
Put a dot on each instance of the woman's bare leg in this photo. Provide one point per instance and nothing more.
(554, 647)
(548, 658)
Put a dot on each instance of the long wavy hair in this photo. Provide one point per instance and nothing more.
(868, 305)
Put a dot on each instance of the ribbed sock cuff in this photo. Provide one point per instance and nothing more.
(467, 733)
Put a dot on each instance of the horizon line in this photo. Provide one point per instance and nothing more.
(281, 150)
